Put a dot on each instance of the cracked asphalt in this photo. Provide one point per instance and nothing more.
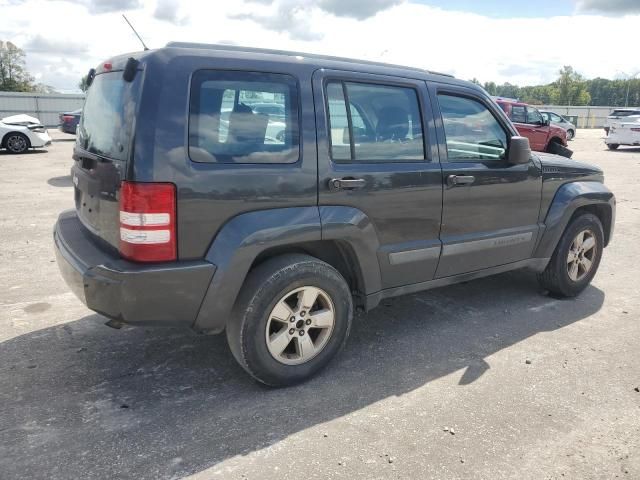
(489, 379)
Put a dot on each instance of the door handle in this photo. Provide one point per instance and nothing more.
(346, 183)
(455, 180)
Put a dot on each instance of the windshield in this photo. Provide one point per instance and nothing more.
(107, 118)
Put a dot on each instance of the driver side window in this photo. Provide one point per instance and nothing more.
(533, 116)
(471, 130)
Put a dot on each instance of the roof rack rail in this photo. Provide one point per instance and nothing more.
(269, 51)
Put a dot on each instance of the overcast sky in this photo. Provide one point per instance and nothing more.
(519, 41)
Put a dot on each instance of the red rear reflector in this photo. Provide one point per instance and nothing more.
(148, 222)
(67, 118)
(107, 66)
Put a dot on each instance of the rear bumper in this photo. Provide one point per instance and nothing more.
(67, 128)
(136, 294)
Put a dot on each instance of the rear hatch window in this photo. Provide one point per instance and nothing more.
(103, 147)
(107, 120)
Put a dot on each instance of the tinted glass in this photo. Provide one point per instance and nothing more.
(385, 123)
(106, 127)
(338, 123)
(472, 132)
(533, 116)
(518, 114)
(243, 117)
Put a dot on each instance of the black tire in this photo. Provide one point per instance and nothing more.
(612, 146)
(570, 134)
(264, 287)
(16, 142)
(558, 149)
(556, 278)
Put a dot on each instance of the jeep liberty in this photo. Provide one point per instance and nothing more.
(271, 194)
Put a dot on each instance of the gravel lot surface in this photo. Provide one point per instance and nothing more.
(490, 379)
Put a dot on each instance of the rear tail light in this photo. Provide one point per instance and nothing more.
(67, 118)
(635, 129)
(148, 222)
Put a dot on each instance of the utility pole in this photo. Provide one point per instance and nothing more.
(629, 78)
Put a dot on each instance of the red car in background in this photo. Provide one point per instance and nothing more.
(529, 122)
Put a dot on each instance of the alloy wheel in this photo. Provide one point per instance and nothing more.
(300, 325)
(581, 256)
(16, 144)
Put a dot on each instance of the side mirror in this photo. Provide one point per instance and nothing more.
(519, 151)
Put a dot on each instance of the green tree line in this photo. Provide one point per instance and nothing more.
(571, 88)
(14, 76)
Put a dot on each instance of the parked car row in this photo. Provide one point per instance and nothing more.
(542, 134)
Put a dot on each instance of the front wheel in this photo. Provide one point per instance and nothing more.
(576, 257)
(16, 142)
(612, 146)
(292, 317)
(570, 134)
(558, 149)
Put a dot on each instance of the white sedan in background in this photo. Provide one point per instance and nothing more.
(18, 133)
(623, 133)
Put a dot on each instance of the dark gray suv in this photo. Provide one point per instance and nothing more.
(196, 206)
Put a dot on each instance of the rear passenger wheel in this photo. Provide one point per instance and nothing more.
(16, 142)
(293, 315)
(576, 258)
(570, 134)
(612, 146)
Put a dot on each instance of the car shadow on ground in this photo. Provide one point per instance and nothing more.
(624, 149)
(81, 399)
(63, 181)
(31, 151)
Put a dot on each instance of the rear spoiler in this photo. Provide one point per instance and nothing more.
(128, 74)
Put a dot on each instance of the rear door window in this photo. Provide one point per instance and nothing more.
(374, 123)
(243, 117)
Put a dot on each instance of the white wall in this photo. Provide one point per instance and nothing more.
(588, 117)
(44, 106)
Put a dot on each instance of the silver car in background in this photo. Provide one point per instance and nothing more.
(560, 121)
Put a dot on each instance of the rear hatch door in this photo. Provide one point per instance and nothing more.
(103, 148)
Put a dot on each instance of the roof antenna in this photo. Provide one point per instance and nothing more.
(134, 31)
